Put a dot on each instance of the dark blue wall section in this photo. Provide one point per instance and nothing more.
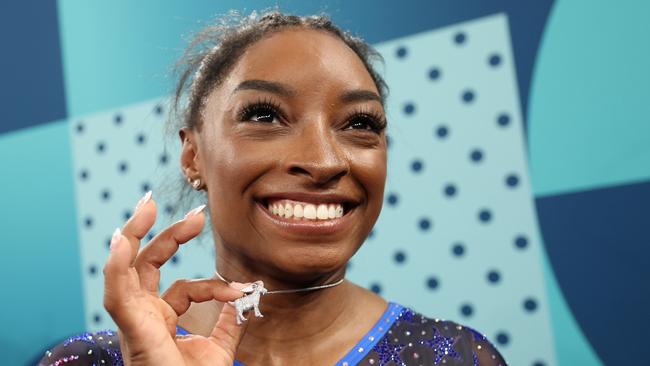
(31, 89)
(599, 244)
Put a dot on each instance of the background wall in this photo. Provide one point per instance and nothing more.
(523, 124)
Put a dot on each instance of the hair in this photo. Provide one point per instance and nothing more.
(213, 52)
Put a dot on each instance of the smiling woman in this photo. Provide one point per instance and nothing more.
(283, 135)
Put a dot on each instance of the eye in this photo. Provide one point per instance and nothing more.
(263, 112)
(365, 121)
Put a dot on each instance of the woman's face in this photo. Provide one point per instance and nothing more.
(297, 121)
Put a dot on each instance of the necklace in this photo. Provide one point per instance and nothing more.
(251, 301)
(289, 291)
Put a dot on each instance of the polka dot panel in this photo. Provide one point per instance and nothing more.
(457, 237)
(458, 230)
(110, 180)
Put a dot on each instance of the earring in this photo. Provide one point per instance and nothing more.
(196, 184)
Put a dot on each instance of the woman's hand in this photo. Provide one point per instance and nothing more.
(147, 322)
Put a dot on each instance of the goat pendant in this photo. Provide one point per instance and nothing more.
(251, 301)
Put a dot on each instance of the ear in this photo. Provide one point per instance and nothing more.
(190, 159)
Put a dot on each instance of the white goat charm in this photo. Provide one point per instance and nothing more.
(249, 302)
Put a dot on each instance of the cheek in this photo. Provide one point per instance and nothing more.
(369, 168)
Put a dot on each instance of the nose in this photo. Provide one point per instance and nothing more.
(317, 155)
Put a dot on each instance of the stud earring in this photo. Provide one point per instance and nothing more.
(196, 184)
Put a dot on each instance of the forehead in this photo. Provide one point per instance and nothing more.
(303, 58)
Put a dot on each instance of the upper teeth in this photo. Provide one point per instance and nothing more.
(310, 211)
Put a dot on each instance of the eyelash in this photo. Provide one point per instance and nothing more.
(375, 121)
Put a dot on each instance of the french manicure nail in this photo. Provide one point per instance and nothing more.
(195, 211)
(143, 200)
(117, 235)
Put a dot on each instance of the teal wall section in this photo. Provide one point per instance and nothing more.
(39, 243)
(588, 117)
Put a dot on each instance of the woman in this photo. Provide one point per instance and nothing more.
(284, 131)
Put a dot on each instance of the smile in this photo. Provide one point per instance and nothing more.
(304, 210)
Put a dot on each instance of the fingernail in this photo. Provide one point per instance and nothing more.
(115, 239)
(143, 200)
(195, 211)
(238, 285)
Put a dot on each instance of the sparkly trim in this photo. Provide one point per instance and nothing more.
(64, 360)
(83, 337)
(372, 338)
(477, 336)
(475, 358)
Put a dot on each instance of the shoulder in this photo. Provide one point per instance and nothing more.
(415, 339)
(99, 348)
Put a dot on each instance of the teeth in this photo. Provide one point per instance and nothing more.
(306, 211)
(310, 211)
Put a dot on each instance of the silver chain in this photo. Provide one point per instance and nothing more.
(291, 290)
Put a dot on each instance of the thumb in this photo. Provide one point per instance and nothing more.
(227, 333)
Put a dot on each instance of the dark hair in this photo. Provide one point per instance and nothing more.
(213, 52)
(217, 48)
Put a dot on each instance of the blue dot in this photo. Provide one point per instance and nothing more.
(92, 270)
(425, 224)
(521, 242)
(502, 338)
(458, 249)
(476, 155)
(468, 96)
(432, 283)
(175, 259)
(348, 265)
(530, 304)
(151, 235)
(117, 119)
(450, 190)
(392, 199)
(512, 180)
(146, 187)
(106, 195)
(539, 363)
(158, 109)
(80, 127)
(494, 60)
(388, 141)
(127, 214)
(485, 215)
(503, 119)
(123, 167)
(88, 221)
(442, 131)
(101, 147)
(401, 52)
(83, 174)
(140, 138)
(434, 73)
(466, 310)
(376, 288)
(494, 276)
(399, 257)
(97, 318)
(108, 243)
(416, 165)
(169, 209)
(371, 234)
(164, 158)
(460, 38)
(409, 108)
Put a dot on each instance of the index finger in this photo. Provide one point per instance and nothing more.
(139, 224)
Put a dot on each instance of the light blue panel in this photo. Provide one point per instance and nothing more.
(588, 117)
(39, 276)
(571, 345)
(431, 75)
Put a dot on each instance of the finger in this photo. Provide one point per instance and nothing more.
(163, 246)
(117, 281)
(227, 334)
(139, 224)
(183, 292)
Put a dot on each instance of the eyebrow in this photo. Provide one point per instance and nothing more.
(349, 96)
